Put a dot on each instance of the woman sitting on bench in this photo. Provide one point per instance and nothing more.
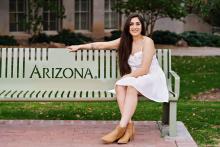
(140, 73)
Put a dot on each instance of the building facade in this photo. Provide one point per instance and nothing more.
(94, 18)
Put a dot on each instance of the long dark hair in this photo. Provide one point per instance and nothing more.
(125, 45)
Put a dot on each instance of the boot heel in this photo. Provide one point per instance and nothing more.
(132, 138)
(133, 133)
(128, 136)
(111, 137)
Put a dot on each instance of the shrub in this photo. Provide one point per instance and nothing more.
(114, 35)
(165, 37)
(40, 38)
(200, 39)
(69, 38)
(7, 40)
(65, 36)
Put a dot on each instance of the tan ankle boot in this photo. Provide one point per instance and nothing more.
(117, 133)
(129, 134)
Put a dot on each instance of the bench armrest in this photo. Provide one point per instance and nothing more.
(176, 88)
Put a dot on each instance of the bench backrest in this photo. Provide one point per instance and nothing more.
(47, 69)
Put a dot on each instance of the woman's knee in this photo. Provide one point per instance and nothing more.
(120, 89)
(131, 89)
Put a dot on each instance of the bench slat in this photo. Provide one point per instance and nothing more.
(0, 62)
(165, 62)
(159, 56)
(4, 63)
(2, 92)
(16, 63)
(7, 93)
(10, 62)
(60, 95)
(14, 92)
(96, 61)
(102, 66)
(113, 68)
(108, 64)
(83, 94)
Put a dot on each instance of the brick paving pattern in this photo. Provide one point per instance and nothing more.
(75, 133)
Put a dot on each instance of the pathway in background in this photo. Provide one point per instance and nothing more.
(196, 51)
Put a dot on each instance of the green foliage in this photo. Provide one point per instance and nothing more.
(34, 19)
(201, 39)
(202, 119)
(7, 40)
(152, 10)
(214, 13)
(70, 38)
(165, 37)
(192, 38)
(65, 36)
(197, 74)
(40, 38)
(114, 35)
(208, 9)
(199, 7)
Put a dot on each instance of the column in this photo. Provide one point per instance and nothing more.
(98, 20)
(4, 17)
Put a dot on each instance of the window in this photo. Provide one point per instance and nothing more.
(50, 20)
(17, 12)
(82, 14)
(111, 16)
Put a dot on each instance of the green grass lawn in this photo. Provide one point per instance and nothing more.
(202, 119)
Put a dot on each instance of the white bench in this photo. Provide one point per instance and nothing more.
(54, 74)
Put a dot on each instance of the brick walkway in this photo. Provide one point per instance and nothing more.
(59, 133)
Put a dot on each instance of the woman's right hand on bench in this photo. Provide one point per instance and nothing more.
(73, 48)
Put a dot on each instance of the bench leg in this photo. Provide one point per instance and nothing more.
(172, 120)
(164, 124)
(166, 110)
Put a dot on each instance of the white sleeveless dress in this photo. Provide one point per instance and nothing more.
(152, 85)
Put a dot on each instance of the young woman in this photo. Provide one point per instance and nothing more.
(140, 73)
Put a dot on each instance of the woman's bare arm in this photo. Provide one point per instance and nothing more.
(96, 45)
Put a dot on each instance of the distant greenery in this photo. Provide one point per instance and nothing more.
(69, 38)
(7, 40)
(152, 10)
(202, 119)
(34, 20)
(192, 38)
(40, 38)
(65, 36)
(165, 37)
(114, 35)
(201, 39)
(208, 9)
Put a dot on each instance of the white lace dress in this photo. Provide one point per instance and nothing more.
(152, 85)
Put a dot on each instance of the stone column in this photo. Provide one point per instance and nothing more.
(4, 17)
(98, 20)
(68, 21)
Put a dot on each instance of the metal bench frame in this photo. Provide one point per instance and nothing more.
(54, 74)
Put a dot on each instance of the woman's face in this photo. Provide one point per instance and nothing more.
(135, 27)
